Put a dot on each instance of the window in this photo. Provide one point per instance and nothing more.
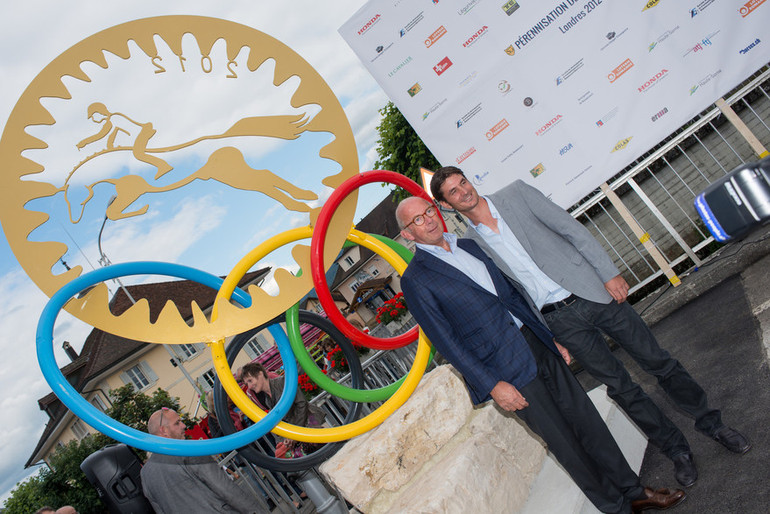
(79, 429)
(207, 379)
(257, 345)
(187, 351)
(141, 376)
(349, 260)
(375, 272)
(98, 402)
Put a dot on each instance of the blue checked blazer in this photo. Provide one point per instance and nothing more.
(471, 327)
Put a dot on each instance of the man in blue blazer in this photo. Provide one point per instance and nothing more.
(581, 294)
(487, 329)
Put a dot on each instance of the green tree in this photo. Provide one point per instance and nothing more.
(400, 149)
(65, 483)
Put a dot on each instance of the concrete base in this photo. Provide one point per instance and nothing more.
(438, 454)
(553, 489)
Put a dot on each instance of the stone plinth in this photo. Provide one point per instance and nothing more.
(439, 454)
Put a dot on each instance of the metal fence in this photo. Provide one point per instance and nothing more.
(659, 188)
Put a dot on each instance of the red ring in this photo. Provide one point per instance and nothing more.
(317, 257)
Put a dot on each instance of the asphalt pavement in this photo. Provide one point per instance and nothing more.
(717, 323)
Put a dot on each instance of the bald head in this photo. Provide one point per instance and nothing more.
(407, 205)
(67, 509)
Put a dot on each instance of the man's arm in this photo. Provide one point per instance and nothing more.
(562, 223)
(227, 491)
(425, 308)
(508, 397)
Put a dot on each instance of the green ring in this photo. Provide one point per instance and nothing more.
(314, 372)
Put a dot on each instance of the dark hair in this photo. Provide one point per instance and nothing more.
(253, 369)
(438, 179)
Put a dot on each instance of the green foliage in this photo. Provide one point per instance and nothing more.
(400, 149)
(65, 483)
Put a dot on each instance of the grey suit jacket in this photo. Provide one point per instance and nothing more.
(561, 246)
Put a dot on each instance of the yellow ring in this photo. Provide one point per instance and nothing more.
(295, 432)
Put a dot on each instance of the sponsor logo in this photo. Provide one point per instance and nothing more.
(409, 26)
(479, 179)
(650, 4)
(369, 24)
(467, 153)
(705, 42)
(468, 115)
(475, 37)
(700, 7)
(437, 34)
(549, 125)
(752, 45)
(510, 154)
(414, 89)
(537, 170)
(510, 50)
(528, 101)
(380, 50)
(657, 115)
(510, 7)
(620, 145)
(565, 149)
(612, 37)
(607, 117)
(497, 129)
(433, 109)
(569, 72)
(584, 97)
(504, 87)
(620, 70)
(653, 80)
(662, 38)
(705, 80)
(467, 7)
(442, 66)
(400, 66)
(467, 80)
(749, 6)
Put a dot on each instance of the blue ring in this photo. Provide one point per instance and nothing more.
(130, 436)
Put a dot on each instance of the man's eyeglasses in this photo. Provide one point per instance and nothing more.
(420, 218)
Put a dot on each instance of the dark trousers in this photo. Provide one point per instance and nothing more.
(561, 413)
(579, 326)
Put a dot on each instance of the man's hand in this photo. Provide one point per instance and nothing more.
(618, 288)
(508, 397)
(564, 352)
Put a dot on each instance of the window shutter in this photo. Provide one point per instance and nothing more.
(148, 372)
(125, 379)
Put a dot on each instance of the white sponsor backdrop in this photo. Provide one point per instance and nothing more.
(560, 94)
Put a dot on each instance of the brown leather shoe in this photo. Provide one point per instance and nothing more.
(659, 499)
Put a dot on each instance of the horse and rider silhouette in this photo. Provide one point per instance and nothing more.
(226, 165)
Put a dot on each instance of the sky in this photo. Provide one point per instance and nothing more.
(207, 225)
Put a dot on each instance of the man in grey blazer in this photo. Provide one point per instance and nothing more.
(581, 295)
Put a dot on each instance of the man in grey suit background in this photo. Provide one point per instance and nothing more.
(581, 294)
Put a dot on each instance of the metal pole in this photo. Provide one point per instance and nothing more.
(104, 261)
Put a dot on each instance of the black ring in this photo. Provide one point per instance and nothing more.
(308, 461)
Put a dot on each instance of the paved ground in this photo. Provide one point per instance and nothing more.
(717, 323)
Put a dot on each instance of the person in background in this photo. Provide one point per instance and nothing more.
(189, 484)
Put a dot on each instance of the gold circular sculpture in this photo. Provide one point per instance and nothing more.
(121, 146)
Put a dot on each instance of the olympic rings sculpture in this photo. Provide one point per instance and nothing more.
(289, 348)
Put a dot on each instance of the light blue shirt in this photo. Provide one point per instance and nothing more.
(464, 262)
(540, 287)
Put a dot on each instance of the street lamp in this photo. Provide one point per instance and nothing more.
(104, 261)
